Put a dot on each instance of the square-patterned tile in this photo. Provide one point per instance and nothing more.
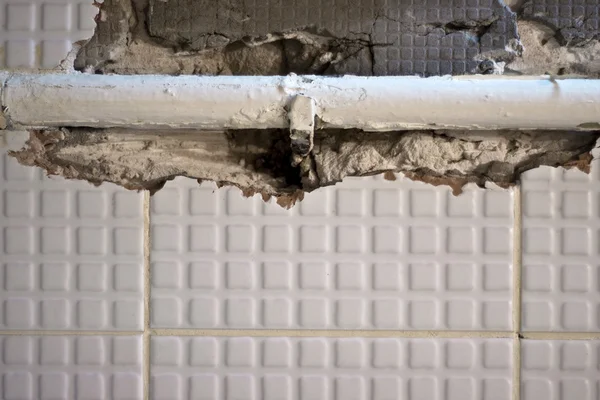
(365, 254)
(251, 368)
(560, 278)
(560, 369)
(71, 367)
(71, 255)
(40, 33)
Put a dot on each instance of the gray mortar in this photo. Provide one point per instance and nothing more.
(145, 37)
(403, 37)
(544, 55)
(318, 36)
(112, 34)
(575, 22)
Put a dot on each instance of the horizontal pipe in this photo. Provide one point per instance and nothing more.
(243, 102)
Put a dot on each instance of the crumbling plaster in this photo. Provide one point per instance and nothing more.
(141, 37)
(374, 38)
(262, 161)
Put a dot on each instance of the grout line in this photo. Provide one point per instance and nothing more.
(516, 299)
(329, 333)
(516, 367)
(316, 333)
(146, 337)
(560, 335)
(517, 258)
(34, 332)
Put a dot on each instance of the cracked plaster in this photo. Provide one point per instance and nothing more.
(141, 37)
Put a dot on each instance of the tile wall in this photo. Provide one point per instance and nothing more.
(367, 290)
(40, 33)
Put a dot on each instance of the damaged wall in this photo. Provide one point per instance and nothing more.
(259, 161)
(560, 39)
(242, 37)
(325, 37)
(317, 37)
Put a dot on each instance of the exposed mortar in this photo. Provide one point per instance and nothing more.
(261, 161)
(137, 37)
(126, 42)
(545, 55)
(399, 38)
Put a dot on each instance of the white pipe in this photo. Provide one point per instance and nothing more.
(368, 103)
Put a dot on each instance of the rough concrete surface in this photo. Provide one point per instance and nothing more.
(261, 161)
(331, 37)
(559, 37)
(575, 22)
(364, 37)
(545, 55)
(326, 37)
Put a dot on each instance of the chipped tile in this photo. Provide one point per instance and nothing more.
(402, 37)
(575, 21)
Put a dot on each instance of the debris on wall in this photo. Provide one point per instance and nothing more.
(574, 22)
(260, 161)
(378, 37)
(325, 37)
(402, 37)
(560, 38)
(544, 55)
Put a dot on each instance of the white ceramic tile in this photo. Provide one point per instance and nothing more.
(560, 279)
(366, 254)
(560, 370)
(40, 33)
(71, 254)
(247, 368)
(70, 367)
